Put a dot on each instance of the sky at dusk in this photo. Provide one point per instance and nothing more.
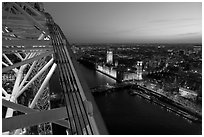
(128, 22)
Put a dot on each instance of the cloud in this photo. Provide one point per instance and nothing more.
(190, 34)
(173, 20)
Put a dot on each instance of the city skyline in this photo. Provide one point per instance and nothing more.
(137, 22)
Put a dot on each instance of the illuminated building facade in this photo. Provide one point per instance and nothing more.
(139, 70)
(116, 63)
(107, 70)
(129, 76)
(186, 93)
(109, 59)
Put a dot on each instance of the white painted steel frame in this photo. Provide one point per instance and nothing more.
(35, 77)
(21, 78)
(18, 88)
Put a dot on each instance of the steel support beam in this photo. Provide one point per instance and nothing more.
(26, 48)
(16, 24)
(5, 64)
(26, 43)
(25, 109)
(5, 69)
(7, 59)
(32, 119)
(31, 19)
(28, 51)
(14, 69)
(10, 37)
(33, 10)
(12, 33)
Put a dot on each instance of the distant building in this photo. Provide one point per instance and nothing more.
(139, 70)
(129, 76)
(107, 70)
(109, 59)
(116, 63)
(186, 93)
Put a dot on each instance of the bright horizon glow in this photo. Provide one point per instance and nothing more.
(137, 22)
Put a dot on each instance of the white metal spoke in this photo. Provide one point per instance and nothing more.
(5, 64)
(15, 69)
(27, 55)
(4, 92)
(28, 74)
(33, 54)
(9, 112)
(35, 77)
(7, 59)
(18, 80)
(19, 56)
(41, 37)
(46, 80)
(16, 89)
(26, 61)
